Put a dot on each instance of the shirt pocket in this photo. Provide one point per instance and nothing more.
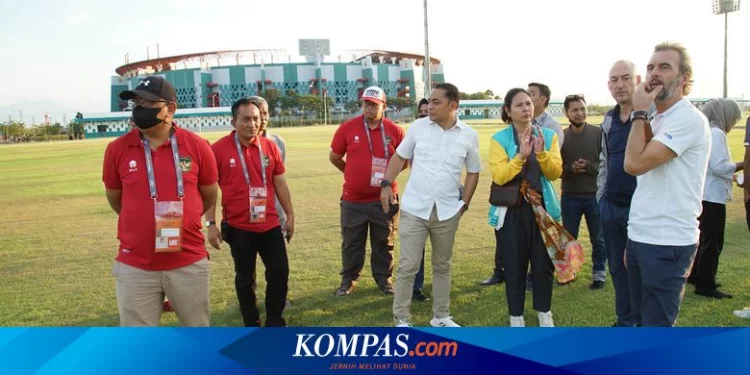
(455, 157)
(422, 152)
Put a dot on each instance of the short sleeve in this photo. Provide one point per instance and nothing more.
(208, 173)
(110, 172)
(473, 159)
(680, 133)
(338, 145)
(406, 149)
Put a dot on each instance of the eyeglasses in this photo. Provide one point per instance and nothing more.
(147, 103)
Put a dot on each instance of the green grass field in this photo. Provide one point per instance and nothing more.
(58, 242)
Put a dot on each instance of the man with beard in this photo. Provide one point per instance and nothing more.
(615, 186)
(669, 155)
(580, 155)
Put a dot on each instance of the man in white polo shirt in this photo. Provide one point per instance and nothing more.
(440, 146)
(669, 155)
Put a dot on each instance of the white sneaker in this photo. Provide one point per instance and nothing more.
(745, 313)
(517, 321)
(443, 322)
(545, 319)
(402, 324)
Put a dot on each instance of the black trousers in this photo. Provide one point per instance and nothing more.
(272, 249)
(712, 223)
(499, 265)
(356, 219)
(522, 243)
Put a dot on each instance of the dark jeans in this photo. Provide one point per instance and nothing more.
(272, 249)
(419, 278)
(712, 223)
(356, 219)
(615, 229)
(657, 276)
(523, 243)
(573, 208)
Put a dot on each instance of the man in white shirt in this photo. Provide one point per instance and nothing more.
(440, 146)
(669, 155)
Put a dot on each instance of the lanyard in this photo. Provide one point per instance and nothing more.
(382, 133)
(242, 160)
(150, 166)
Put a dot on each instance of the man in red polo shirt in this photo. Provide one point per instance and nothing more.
(160, 179)
(363, 140)
(251, 176)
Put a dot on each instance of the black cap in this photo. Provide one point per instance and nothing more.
(152, 88)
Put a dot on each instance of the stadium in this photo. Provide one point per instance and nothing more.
(207, 83)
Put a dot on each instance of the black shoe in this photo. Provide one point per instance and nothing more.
(417, 295)
(493, 280)
(597, 285)
(345, 289)
(713, 294)
(387, 289)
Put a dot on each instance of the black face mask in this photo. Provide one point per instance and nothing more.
(145, 118)
(422, 116)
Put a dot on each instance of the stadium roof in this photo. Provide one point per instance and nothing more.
(167, 63)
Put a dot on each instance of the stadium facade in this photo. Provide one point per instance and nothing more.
(208, 83)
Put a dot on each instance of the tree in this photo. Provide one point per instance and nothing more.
(55, 129)
(352, 106)
(76, 129)
(400, 102)
(13, 129)
(479, 95)
(274, 100)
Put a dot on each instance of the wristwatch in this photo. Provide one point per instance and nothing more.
(385, 183)
(210, 223)
(639, 115)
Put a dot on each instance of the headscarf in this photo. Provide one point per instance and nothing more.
(722, 113)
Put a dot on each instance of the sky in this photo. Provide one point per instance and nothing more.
(58, 56)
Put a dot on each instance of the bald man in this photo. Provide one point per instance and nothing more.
(615, 187)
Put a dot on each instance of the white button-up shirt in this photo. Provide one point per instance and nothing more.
(438, 156)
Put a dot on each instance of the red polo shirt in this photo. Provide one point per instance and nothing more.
(235, 194)
(125, 169)
(351, 140)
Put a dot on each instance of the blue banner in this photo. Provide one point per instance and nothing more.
(162, 351)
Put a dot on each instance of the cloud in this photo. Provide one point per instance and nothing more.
(77, 18)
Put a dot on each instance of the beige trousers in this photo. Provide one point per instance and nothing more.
(413, 233)
(140, 294)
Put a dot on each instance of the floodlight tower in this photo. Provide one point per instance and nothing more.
(725, 7)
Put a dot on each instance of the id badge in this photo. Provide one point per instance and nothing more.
(258, 198)
(378, 171)
(168, 226)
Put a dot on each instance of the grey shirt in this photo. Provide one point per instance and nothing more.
(282, 148)
(546, 120)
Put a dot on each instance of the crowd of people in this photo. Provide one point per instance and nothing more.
(652, 182)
